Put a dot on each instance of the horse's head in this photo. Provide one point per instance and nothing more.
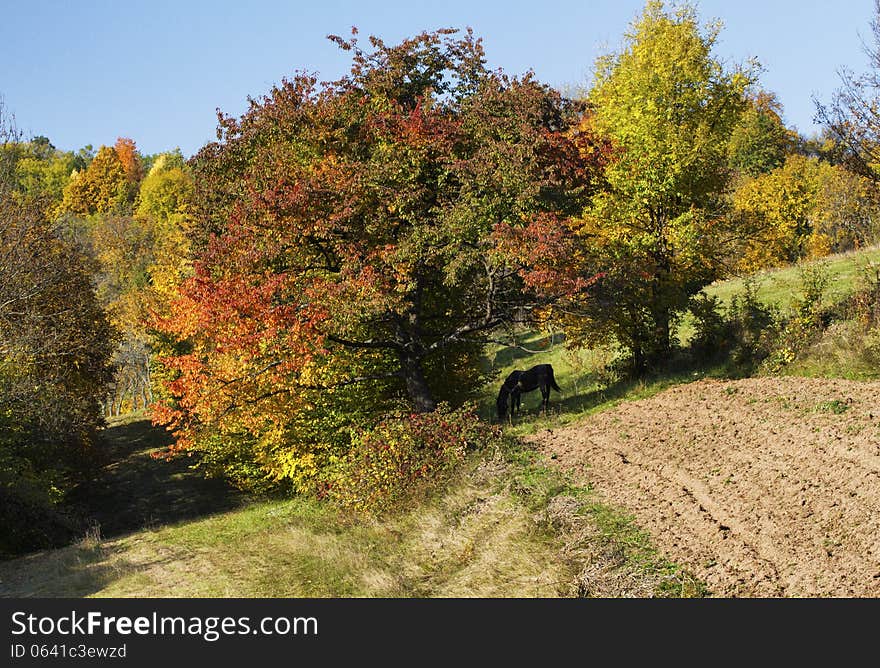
(501, 403)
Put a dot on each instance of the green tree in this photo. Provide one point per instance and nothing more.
(668, 107)
(760, 141)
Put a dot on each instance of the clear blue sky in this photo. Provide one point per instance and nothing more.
(87, 72)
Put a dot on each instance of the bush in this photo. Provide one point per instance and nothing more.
(871, 346)
(712, 331)
(745, 334)
(807, 322)
(864, 308)
(402, 455)
(864, 305)
(31, 516)
(30, 523)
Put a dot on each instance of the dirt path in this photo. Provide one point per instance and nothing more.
(761, 487)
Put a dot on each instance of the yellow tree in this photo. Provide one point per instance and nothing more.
(805, 208)
(847, 210)
(774, 213)
(108, 184)
(668, 107)
(164, 201)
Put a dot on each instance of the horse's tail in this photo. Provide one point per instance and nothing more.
(553, 383)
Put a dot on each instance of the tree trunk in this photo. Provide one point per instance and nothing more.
(638, 359)
(416, 386)
(662, 333)
(660, 289)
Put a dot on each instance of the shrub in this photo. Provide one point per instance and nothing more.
(403, 454)
(712, 331)
(807, 321)
(753, 327)
(864, 305)
(31, 517)
(863, 310)
(871, 346)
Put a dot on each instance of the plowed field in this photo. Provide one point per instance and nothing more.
(761, 487)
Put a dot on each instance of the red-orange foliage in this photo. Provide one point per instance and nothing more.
(376, 228)
(126, 150)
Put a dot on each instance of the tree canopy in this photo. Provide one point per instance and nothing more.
(668, 108)
(55, 347)
(355, 239)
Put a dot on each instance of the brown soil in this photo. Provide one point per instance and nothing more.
(760, 487)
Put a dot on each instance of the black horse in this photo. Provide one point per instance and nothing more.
(517, 382)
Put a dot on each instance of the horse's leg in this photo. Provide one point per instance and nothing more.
(545, 398)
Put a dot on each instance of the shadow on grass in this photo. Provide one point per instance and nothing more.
(683, 367)
(76, 571)
(135, 490)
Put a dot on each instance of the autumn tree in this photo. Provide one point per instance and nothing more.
(55, 344)
(125, 221)
(39, 170)
(108, 185)
(164, 202)
(805, 208)
(775, 214)
(668, 107)
(151, 259)
(847, 211)
(141, 257)
(347, 256)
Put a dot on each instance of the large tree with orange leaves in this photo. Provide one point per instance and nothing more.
(361, 239)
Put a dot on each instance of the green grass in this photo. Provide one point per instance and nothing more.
(470, 540)
(780, 287)
(582, 374)
(843, 350)
(587, 384)
(483, 536)
(506, 526)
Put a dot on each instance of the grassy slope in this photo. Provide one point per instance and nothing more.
(474, 540)
(507, 526)
(840, 352)
(779, 287)
(580, 373)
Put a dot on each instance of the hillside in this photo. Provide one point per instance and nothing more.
(505, 527)
(778, 287)
(662, 486)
